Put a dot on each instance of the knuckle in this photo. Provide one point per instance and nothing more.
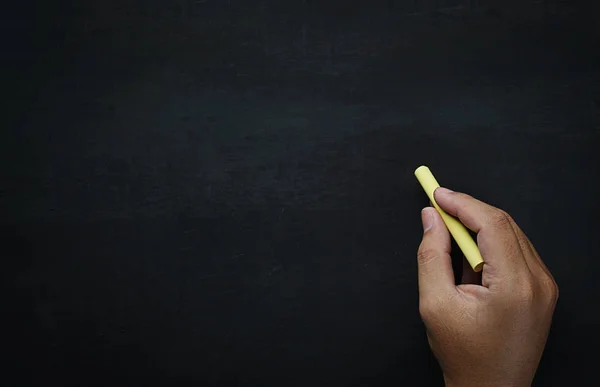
(426, 255)
(554, 294)
(500, 219)
(551, 288)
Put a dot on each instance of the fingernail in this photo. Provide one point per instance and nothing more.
(444, 191)
(427, 218)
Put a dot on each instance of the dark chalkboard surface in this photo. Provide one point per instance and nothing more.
(220, 193)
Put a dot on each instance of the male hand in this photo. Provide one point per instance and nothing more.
(491, 329)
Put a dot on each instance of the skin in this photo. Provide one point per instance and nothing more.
(491, 329)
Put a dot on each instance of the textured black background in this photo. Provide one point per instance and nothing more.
(221, 192)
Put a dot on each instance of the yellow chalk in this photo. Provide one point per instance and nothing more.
(457, 229)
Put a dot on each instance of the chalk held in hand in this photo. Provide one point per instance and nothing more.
(457, 229)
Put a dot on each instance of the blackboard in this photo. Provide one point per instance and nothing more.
(221, 192)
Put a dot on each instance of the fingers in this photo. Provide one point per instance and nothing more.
(434, 262)
(534, 261)
(539, 259)
(496, 239)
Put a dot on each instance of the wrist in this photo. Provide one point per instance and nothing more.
(480, 382)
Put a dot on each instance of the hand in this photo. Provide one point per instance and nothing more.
(490, 330)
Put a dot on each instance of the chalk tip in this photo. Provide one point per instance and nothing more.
(421, 168)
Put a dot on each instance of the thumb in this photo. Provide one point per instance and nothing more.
(434, 262)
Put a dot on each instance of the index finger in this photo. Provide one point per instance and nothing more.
(495, 236)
